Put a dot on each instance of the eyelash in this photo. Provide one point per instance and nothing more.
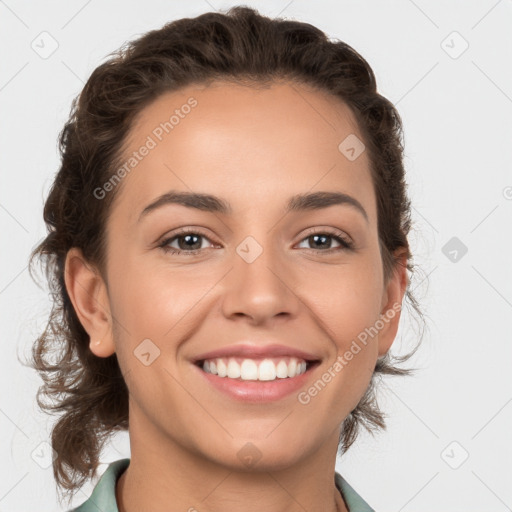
(346, 245)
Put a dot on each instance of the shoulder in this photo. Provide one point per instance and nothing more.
(353, 501)
(103, 497)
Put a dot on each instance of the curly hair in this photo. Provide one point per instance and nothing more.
(239, 45)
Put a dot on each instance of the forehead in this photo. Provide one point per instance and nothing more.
(252, 145)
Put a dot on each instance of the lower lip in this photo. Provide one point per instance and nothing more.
(258, 391)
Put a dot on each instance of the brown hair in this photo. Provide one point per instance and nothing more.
(239, 45)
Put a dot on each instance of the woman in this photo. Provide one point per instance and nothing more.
(228, 253)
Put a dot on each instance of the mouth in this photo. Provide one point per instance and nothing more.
(261, 369)
(256, 373)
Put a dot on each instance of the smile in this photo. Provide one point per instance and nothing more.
(256, 380)
(267, 369)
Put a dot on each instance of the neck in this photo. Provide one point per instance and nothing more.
(165, 476)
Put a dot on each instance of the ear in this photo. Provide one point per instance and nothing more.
(391, 306)
(88, 294)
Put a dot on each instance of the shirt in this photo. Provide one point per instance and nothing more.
(103, 497)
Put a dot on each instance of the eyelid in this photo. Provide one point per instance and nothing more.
(185, 231)
(328, 231)
(165, 239)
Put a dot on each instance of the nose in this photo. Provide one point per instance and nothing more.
(260, 285)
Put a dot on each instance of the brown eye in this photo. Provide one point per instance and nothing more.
(188, 242)
(322, 241)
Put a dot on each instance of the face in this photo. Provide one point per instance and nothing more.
(256, 267)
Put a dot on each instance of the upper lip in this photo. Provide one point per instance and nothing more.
(256, 351)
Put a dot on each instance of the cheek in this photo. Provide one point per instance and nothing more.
(346, 299)
(346, 302)
(347, 313)
(152, 300)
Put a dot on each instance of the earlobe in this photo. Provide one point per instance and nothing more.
(392, 302)
(102, 347)
(88, 294)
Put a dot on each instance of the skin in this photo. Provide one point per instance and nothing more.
(255, 148)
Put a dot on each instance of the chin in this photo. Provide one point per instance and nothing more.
(255, 454)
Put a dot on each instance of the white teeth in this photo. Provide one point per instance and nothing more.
(221, 368)
(292, 368)
(282, 370)
(267, 370)
(251, 369)
(233, 369)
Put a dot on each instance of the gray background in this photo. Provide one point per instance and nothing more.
(448, 443)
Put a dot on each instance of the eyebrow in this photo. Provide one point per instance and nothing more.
(211, 203)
